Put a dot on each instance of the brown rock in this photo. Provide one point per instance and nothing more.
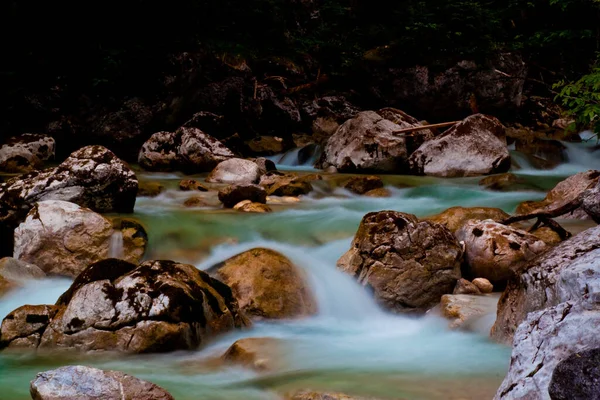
(26, 153)
(547, 235)
(261, 354)
(455, 217)
(267, 284)
(564, 192)
(248, 206)
(233, 194)
(311, 395)
(381, 192)
(483, 285)
(462, 309)
(5, 286)
(195, 202)
(150, 189)
(500, 182)
(15, 270)
(494, 251)
(408, 263)
(266, 145)
(363, 184)
(24, 326)
(278, 184)
(192, 184)
(463, 286)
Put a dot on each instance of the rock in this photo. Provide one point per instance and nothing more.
(266, 145)
(409, 264)
(474, 146)
(483, 285)
(267, 284)
(92, 177)
(215, 125)
(564, 273)
(233, 194)
(591, 202)
(150, 189)
(63, 238)
(311, 395)
(367, 143)
(462, 309)
(563, 193)
(135, 240)
(86, 383)
(381, 192)
(14, 270)
(545, 339)
(463, 286)
(235, 171)
(550, 152)
(195, 202)
(455, 218)
(363, 184)
(278, 184)
(334, 108)
(23, 327)
(158, 306)
(188, 149)
(577, 377)
(500, 182)
(248, 206)
(261, 354)
(200, 152)
(5, 286)
(264, 165)
(192, 185)
(160, 153)
(494, 251)
(547, 235)
(26, 153)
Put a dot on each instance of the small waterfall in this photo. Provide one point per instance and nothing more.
(115, 248)
(300, 157)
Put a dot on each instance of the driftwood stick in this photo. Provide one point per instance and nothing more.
(431, 126)
(555, 226)
(557, 212)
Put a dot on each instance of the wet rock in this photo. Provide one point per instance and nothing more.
(248, 206)
(159, 152)
(233, 194)
(381, 192)
(261, 354)
(266, 145)
(278, 184)
(311, 395)
(23, 327)
(195, 202)
(563, 193)
(409, 264)
(63, 239)
(135, 239)
(86, 383)
(188, 149)
(157, 306)
(267, 284)
(200, 152)
(483, 285)
(547, 235)
(264, 165)
(150, 189)
(26, 153)
(495, 251)
(591, 202)
(235, 171)
(367, 143)
(567, 272)
(474, 146)
(549, 152)
(577, 377)
(500, 182)
(363, 184)
(545, 339)
(463, 286)
(192, 185)
(455, 218)
(463, 309)
(5, 286)
(15, 270)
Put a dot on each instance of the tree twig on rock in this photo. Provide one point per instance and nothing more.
(430, 126)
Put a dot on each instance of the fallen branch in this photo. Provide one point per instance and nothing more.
(423, 127)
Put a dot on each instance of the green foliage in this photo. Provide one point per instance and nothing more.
(581, 99)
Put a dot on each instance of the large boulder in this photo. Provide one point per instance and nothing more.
(474, 146)
(63, 238)
(564, 192)
(267, 284)
(86, 383)
(544, 340)
(157, 306)
(566, 272)
(188, 149)
(367, 142)
(591, 202)
(233, 194)
(455, 218)
(577, 377)
(26, 153)
(494, 251)
(409, 264)
(235, 171)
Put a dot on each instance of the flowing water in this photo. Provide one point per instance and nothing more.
(351, 345)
